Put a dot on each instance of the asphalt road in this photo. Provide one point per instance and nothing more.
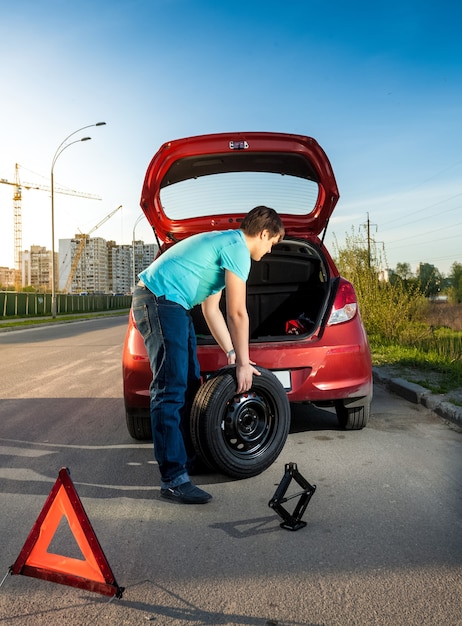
(382, 545)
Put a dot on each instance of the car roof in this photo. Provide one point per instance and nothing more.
(291, 159)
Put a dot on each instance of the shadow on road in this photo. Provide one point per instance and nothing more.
(88, 435)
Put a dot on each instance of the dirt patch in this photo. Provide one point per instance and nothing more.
(443, 314)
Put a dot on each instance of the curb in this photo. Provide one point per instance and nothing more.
(419, 395)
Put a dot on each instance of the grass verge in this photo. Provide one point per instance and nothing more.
(12, 322)
(431, 369)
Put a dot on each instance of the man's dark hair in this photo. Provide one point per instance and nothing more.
(263, 218)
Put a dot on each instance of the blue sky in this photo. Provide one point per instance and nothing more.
(379, 85)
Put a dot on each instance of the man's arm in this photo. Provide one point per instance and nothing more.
(238, 324)
(235, 335)
(216, 322)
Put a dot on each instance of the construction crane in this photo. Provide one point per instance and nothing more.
(17, 208)
(83, 237)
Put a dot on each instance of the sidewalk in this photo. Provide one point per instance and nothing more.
(441, 404)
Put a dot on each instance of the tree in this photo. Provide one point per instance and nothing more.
(455, 277)
(429, 279)
(403, 274)
(389, 311)
(403, 270)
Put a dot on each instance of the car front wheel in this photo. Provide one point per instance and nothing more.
(240, 435)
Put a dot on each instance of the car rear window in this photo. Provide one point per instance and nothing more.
(226, 193)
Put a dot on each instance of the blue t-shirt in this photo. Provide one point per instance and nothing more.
(193, 269)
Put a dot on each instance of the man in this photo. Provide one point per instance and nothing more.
(195, 271)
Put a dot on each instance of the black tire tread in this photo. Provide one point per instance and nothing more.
(353, 418)
(205, 424)
(139, 426)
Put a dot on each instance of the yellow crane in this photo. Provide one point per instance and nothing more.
(83, 237)
(17, 208)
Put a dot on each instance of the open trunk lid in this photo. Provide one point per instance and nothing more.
(210, 182)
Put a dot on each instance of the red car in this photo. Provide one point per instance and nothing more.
(306, 331)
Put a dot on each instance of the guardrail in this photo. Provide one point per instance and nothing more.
(24, 304)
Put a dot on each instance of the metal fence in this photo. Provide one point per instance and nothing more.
(23, 304)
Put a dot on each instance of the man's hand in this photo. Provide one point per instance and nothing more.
(244, 377)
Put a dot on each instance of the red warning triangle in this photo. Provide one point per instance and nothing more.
(93, 573)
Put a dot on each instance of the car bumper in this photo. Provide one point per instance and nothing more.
(310, 370)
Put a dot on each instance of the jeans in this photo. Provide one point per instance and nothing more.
(170, 339)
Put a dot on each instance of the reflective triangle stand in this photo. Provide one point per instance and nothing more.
(93, 573)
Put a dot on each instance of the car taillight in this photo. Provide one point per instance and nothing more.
(345, 304)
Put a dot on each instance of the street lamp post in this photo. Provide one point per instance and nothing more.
(60, 149)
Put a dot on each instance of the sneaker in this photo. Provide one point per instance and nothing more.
(187, 493)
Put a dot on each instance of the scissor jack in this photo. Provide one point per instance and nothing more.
(292, 521)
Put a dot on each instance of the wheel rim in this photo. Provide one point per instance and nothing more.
(249, 423)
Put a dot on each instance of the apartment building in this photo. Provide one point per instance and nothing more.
(94, 265)
(83, 265)
(126, 262)
(36, 270)
(7, 277)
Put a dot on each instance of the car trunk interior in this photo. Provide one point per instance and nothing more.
(290, 284)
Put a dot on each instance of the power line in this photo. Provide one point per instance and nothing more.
(435, 230)
(423, 183)
(431, 206)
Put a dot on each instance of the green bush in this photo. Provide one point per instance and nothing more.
(390, 311)
(395, 316)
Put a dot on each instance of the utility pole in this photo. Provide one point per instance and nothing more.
(369, 240)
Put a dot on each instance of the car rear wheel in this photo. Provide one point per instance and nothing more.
(240, 435)
(138, 425)
(352, 418)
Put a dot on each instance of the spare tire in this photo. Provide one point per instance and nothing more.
(240, 435)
